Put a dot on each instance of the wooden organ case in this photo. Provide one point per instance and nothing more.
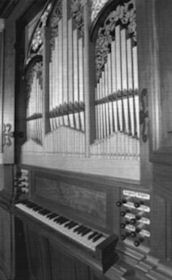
(84, 159)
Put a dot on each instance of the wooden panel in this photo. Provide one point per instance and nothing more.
(97, 276)
(6, 243)
(62, 266)
(162, 212)
(161, 126)
(88, 199)
(38, 255)
(165, 61)
(6, 182)
(1, 178)
(162, 180)
(50, 259)
(65, 267)
(169, 231)
(21, 262)
(68, 194)
(158, 227)
(144, 13)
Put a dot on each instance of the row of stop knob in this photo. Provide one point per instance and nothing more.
(137, 239)
(134, 220)
(137, 204)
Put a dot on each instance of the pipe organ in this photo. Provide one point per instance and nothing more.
(83, 83)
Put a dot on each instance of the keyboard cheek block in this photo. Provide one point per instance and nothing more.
(105, 252)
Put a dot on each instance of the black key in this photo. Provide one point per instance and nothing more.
(24, 201)
(30, 204)
(82, 230)
(97, 237)
(44, 212)
(64, 220)
(61, 220)
(36, 208)
(52, 216)
(70, 224)
(58, 218)
(92, 235)
(78, 228)
(86, 231)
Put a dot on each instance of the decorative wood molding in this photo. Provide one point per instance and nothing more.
(37, 38)
(123, 15)
(53, 20)
(144, 114)
(77, 14)
(96, 6)
(7, 134)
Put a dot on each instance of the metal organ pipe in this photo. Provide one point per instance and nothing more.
(70, 74)
(66, 87)
(117, 99)
(81, 81)
(34, 107)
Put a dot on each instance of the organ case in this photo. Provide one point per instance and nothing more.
(83, 99)
(85, 110)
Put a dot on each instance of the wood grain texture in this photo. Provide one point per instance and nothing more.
(88, 201)
(6, 243)
(162, 212)
(162, 180)
(158, 227)
(39, 259)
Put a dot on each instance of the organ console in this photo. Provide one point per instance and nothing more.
(87, 240)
